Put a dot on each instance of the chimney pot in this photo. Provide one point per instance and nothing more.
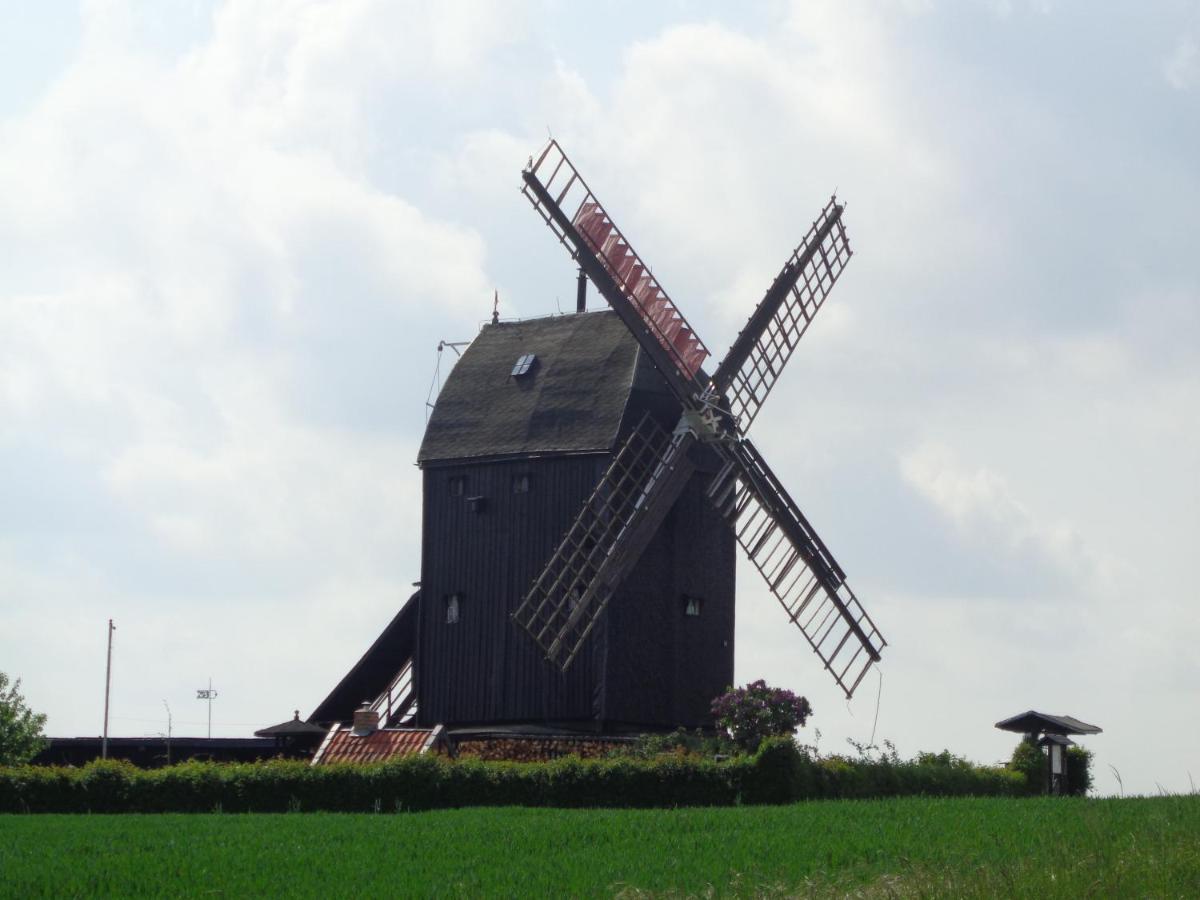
(366, 721)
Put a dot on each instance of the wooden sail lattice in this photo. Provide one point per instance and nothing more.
(592, 230)
(606, 540)
(813, 269)
(797, 567)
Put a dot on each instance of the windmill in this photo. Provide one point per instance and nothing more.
(651, 468)
(600, 442)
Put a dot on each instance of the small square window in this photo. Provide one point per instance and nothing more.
(520, 484)
(452, 609)
(691, 606)
(458, 485)
(523, 364)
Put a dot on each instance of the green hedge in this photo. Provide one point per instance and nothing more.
(778, 773)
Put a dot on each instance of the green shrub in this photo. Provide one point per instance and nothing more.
(1079, 770)
(1029, 760)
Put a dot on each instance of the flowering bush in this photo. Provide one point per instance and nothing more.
(757, 711)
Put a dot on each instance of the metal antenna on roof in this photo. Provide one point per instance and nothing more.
(435, 385)
(496, 307)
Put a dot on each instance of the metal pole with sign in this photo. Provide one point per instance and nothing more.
(207, 694)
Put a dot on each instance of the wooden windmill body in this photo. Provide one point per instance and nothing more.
(586, 479)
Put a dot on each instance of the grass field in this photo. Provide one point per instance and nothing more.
(905, 847)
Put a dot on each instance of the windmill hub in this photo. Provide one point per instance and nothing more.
(701, 424)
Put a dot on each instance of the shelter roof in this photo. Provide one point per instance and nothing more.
(1061, 739)
(570, 398)
(1032, 722)
(292, 727)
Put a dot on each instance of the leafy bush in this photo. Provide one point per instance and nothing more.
(1029, 760)
(1079, 770)
(755, 712)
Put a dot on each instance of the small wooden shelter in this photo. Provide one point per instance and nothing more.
(1050, 733)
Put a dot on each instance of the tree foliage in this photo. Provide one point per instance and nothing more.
(1030, 761)
(20, 727)
(758, 711)
(1079, 771)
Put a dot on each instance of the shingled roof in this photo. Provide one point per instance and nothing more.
(571, 399)
(1032, 722)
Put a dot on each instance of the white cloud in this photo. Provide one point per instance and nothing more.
(1181, 68)
(202, 327)
(982, 508)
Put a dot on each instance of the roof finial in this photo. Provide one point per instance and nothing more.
(496, 307)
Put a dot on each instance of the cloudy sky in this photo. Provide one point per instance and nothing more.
(232, 234)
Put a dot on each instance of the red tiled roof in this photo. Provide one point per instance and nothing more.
(386, 743)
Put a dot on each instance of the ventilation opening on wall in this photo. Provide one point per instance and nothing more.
(520, 484)
(452, 608)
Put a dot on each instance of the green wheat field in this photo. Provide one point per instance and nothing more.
(1143, 847)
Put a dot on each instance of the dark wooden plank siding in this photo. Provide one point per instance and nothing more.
(665, 667)
(645, 663)
(705, 560)
(483, 668)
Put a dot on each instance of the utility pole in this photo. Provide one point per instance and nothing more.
(168, 732)
(208, 694)
(107, 686)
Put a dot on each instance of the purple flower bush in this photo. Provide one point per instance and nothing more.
(758, 711)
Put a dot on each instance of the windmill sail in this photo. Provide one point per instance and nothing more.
(758, 356)
(798, 568)
(606, 540)
(563, 199)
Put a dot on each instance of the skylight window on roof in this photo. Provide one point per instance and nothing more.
(523, 364)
